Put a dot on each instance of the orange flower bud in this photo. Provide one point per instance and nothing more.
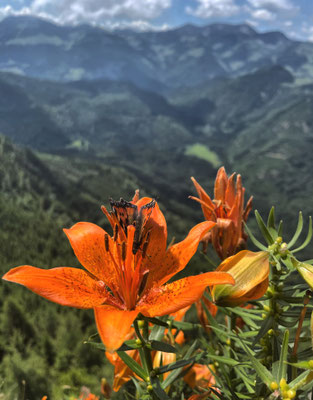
(250, 271)
(106, 389)
(228, 211)
(305, 270)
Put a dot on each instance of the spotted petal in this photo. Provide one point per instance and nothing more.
(170, 298)
(66, 286)
(87, 241)
(178, 255)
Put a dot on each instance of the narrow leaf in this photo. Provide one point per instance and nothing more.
(175, 374)
(157, 389)
(280, 228)
(174, 365)
(133, 365)
(265, 232)
(282, 366)
(161, 346)
(271, 218)
(224, 360)
(297, 232)
(266, 325)
(254, 240)
(263, 372)
(308, 238)
(157, 332)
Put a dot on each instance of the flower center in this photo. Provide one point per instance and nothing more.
(128, 264)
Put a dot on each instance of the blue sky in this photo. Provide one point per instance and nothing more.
(293, 17)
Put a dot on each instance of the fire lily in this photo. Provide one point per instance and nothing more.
(126, 273)
(227, 210)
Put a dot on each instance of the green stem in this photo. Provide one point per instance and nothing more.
(146, 350)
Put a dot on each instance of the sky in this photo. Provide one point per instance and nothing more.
(293, 17)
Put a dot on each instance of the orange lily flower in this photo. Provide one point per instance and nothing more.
(126, 273)
(227, 210)
(200, 376)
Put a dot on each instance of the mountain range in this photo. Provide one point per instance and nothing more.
(87, 114)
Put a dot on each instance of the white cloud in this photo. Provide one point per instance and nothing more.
(274, 6)
(263, 14)
(213, 8)
(108, 13)
(307, 31)
(8, 11)
(74, 11)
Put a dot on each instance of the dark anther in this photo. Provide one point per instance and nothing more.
(123, 251)
(106, 242)
(144, 249)
(115, 232)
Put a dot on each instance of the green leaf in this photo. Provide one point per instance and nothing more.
(161, 346)
(133, 365)
(174, 365)
(282, 366)
(300, 380)
(263, 372)
(158, 390)
(157, 332)
(130, 345)
(185, 326)
(271, 218)
(280, 228)
(266, 325)
(254, 240)
(224, 360)
(175, 374)
(265, 232)
(156, 321)
(297, 232)
(301, 365)
(308, 238)
(96, 345)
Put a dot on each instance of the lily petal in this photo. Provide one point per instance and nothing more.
(205, 198)
(87, 241)
(170, 298)
(113, 325)
(156, 225)
(66, 286)
(178, 255)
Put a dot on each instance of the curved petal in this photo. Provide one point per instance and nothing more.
(113, 325)
(157, 228)
(205, 198)
(170, 298)
(220, 185)
(66, 286)
(178, 255)
(87, 241)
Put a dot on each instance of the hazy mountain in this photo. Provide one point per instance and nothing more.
(184, 56)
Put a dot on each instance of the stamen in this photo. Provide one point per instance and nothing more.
(144, 249)
(106, 242)
(115, 232)
(123, 251)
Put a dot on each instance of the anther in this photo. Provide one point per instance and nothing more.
(123, 251)
(106, 242)
(144, 249)
(115, 232)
